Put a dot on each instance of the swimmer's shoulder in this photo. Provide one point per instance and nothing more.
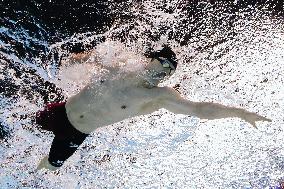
(160, 93)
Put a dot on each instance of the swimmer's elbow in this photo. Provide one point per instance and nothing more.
(200, 110)
(172, 101)
(181, 106)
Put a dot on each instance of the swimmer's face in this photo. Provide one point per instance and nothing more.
(159, 70)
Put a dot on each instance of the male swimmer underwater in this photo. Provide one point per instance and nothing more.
(73, 121)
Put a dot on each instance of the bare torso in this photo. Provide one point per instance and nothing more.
(110, 102)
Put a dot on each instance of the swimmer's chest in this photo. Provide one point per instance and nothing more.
(89, 110)
(123, 101)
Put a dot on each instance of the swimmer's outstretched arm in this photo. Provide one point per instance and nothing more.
(80, 57)
(89, 57)
(172, 101)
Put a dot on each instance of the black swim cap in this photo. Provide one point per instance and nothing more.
(166, 53)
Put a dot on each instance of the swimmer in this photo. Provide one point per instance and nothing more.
(72, 121)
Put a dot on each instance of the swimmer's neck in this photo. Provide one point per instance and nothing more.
(141, 81)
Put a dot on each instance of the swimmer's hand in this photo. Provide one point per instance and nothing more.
(46, 165)
(251, 117)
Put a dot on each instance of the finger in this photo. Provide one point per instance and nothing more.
(261, 118)
(254, 125)
(267, 119)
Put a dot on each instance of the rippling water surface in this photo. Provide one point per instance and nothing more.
(229, 52)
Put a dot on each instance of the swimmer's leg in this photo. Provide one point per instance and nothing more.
(67, 139)
(51, 117)
(62, 149)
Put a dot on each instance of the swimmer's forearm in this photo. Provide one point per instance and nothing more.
(207, 110)
(92, 57)
(204, 110)
(80, 57)
(217, 111)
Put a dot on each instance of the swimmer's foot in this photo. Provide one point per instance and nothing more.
(44, 164)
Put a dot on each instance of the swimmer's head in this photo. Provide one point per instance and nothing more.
(163, 61)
